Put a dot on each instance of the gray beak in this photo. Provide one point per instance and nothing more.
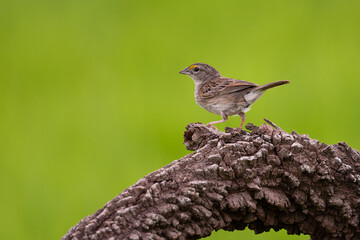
(185, 71)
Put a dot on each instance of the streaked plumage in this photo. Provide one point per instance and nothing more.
(224, 96)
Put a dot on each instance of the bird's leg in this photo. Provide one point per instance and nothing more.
(224, 119)
(242, 115)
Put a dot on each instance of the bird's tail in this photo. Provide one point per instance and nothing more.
(271, 85)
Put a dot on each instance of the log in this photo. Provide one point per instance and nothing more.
(264, 179)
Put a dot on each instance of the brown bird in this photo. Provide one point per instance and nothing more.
(224, 96)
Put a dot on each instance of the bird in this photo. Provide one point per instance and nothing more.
(224, 96)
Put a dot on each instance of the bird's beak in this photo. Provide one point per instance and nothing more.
(185, 71)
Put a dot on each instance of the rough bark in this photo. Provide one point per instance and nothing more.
(262, 179)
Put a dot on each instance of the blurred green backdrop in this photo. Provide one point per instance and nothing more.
(91, 99)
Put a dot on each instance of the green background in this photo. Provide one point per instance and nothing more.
(91, 99)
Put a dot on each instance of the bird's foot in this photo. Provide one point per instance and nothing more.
(211, 126)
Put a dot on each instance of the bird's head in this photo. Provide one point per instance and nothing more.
(200, 72)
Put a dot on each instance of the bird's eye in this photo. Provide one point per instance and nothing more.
(196, 69)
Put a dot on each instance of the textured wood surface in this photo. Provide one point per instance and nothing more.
(263, 179)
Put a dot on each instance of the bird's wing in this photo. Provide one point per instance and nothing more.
(223, 85)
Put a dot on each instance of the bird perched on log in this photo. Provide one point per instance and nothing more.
(224, 96)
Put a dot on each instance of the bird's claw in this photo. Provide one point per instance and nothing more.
(211, 126)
